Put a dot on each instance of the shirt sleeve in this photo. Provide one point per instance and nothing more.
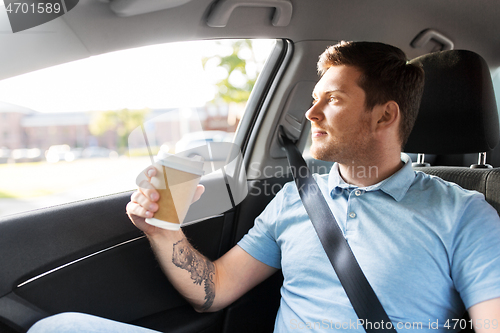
(476, 255)
(261, 241)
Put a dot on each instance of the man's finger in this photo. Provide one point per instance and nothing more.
(150, 172)
(148, 190)
(147, 174)
(146, 185)
(136, 209)
(141, 199)
(199, 191)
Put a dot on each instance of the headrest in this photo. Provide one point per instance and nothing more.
(458, 113)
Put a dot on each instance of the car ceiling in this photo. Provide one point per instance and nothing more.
(92, 28)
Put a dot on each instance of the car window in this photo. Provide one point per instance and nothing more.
(65, 131)
(495, 76)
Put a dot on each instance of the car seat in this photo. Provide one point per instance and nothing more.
(458, 115)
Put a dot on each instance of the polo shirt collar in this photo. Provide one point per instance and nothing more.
(396, 185)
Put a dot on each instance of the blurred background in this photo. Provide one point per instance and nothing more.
(65, 131)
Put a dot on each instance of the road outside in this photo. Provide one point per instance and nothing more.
(28, 186)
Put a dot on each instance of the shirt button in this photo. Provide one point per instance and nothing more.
(357, 193)
(352, 215)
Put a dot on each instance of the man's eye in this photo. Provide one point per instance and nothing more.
(332, 99)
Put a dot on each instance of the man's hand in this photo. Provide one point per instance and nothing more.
(143, 202)
(207, 285)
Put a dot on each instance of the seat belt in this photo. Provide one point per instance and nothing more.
(361, 295)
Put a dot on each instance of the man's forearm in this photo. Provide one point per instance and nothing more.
(192, 274)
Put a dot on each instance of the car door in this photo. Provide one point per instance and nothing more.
(86, 255)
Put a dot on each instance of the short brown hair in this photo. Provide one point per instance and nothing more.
(386, 76)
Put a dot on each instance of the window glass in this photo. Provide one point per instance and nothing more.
(65, 133)
(495, 76)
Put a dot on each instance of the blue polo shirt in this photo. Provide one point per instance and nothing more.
(426, 246)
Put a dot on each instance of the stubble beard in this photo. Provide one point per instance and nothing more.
(353, 150)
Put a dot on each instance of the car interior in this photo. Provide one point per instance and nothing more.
(86, 256)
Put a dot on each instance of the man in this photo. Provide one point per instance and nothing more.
(424, 244)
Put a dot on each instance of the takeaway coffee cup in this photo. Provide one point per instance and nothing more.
(176, 180)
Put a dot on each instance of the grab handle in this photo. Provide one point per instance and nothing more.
(219, 16)
(425, 37)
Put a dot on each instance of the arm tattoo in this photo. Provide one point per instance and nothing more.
(201, 269)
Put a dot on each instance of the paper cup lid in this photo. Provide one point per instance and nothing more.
(192, 165)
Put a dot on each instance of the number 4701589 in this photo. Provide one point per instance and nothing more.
(477, 324)
(40, 8)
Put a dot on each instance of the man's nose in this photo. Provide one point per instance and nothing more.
(315, 112)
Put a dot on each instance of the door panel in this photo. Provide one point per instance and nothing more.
(35, 242)
(88, 257)
(124, 283)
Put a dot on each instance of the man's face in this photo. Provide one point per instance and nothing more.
(340, 123)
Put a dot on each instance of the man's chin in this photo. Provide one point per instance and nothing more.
(321, 155)
(326, 159)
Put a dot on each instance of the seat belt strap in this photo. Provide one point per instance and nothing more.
(361, 295)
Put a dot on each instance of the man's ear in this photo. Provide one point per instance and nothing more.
(387, 115)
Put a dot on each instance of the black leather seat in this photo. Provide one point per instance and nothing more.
(458, 115)
(458, 112)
